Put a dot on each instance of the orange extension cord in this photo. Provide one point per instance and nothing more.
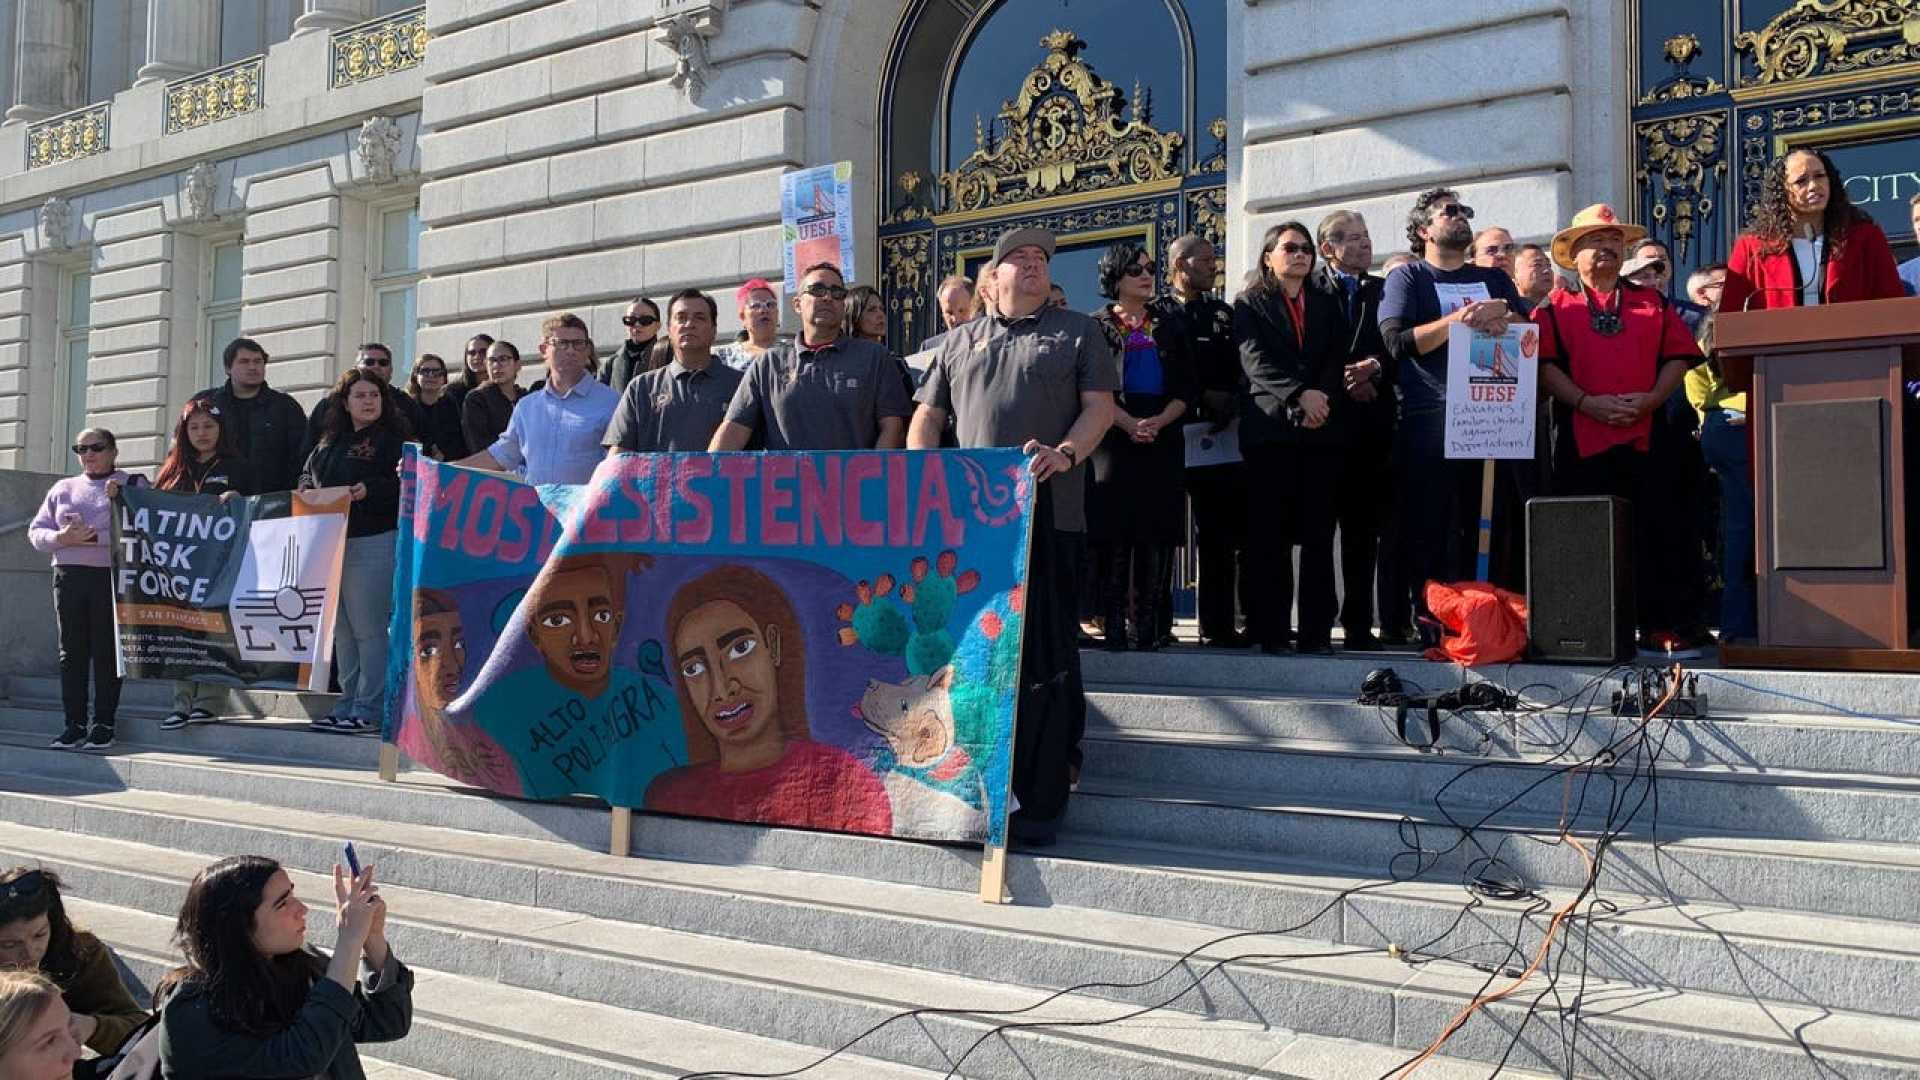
(1559, 917)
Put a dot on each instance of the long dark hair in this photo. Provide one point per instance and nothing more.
(62, 962)
(1260, 280)
(247, 991)
(1772, 217)
(180, 459)
(767, 605)
(339, 422)
(1114, 264)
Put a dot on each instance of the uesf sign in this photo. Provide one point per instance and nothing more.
(1492, 392)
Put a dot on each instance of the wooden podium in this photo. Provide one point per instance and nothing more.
(1829, 480)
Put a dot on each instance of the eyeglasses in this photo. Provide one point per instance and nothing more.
(481, 351)
(639, 320)
(568, 343)
(1459, 210)
(1500, 249)
(1146, 269)
(24, 886)
(820, 290)
(1292, 248)
(762, 305)
(430, 372)
(91, 448)
(375, 361)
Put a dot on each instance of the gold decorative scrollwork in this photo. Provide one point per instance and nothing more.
(72, 135)
(1062, 134)
(1207, 215)
(381, 47)
(216, 95)
(1820, 37)
(1840, 110)
(1681, 50)
(1687, 154)
(908, 259)
(909, 206)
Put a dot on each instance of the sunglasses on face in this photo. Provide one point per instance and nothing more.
(481, 351)
(1500, 249)
(26, 885)
(374, 361)
(1458, 210)
(820, 290)
(90, 448)
(639, 320)
(431, 372)
(1145, 269)
(1292, 248)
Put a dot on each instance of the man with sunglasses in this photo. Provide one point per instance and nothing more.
(376, 360)
(1494, 248)
(823, 391)
(1439, 499)
(268, 427)
(635, 353)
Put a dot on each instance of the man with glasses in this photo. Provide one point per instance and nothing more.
(1041, 378)
(267, 427)
(759, 309)
(1494, 248)
(677, 407)
(554, 435)
(823, 391)
(635, 353)
(1439, 499)
(376, 360)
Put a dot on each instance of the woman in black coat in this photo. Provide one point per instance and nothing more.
(1138, 509)
(1291, 341)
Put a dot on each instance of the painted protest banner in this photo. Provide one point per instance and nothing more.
(1492, 392)
(825, 640)
(816, 220)
(238, 592)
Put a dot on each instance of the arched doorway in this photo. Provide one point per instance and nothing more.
(1096, 121)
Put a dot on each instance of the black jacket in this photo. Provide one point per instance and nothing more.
(439, 434)
(216, 477)
(370, 457)
(319, 1042)
(396, 402)
(268, 432)
(1363, 339)
(620, 366)
(1279, 369)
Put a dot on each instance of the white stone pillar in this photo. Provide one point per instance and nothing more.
(47, 53)
(183, 38)
(324, 16)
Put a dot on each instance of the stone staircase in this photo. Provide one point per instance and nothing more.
(1769, 933)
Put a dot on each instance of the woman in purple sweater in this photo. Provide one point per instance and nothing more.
(73, 526)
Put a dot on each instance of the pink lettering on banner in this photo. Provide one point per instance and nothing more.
(820, 500)
(860, 531)
(446, 500)
(738, 470)
(775, 497)
(519, 503)
(934, 499)
(638, 528)
(697, 528)
(592, 524)
(482, 533)
(897, 500)
(549, 535)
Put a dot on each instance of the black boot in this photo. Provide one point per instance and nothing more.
(1114, 569)
(1150, 567)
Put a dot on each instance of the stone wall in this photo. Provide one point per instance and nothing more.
(1519, 104)
(28, 644)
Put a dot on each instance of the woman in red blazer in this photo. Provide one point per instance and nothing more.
(1807, 243)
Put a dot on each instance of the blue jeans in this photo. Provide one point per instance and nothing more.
(360, 630)
(1725, 447)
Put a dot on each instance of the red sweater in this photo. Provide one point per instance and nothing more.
(1864, 270)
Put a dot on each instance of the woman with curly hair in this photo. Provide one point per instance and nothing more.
(1807, 243)
(37, 936)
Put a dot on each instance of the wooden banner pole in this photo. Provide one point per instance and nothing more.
(1483, 565)
(621, 842)
(993, 875)
(389, 762)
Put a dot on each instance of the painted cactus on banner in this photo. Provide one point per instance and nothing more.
(824, 640)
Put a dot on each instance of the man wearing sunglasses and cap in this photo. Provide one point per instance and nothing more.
(1041, 378)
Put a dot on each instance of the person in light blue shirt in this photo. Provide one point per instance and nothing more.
(554, 435)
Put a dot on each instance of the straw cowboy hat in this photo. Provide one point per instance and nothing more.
(1592, 219)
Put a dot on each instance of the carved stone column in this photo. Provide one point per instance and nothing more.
(325, 16)
(183, 38)
(47, 68)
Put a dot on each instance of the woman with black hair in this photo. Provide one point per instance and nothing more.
(439, 410)
(36, 935)
(201, 462)
(1806, 243)
(473, 369)
(484, 412)
(1292, 349)
(254, 999)
(1137, 514)
(360, 450)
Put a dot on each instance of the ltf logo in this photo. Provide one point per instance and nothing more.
(280, 599)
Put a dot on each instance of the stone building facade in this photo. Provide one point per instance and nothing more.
(420, 174)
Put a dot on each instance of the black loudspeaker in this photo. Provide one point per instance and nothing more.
(1580, 579)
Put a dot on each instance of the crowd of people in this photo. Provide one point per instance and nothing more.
(250, 998)
(1340, 507)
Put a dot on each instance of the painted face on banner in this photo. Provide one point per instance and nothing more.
(440, 658)
(730, 665)
(576, 620)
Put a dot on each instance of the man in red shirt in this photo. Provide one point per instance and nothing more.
(1612, 352)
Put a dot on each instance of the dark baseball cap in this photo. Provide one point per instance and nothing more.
(1014, 239)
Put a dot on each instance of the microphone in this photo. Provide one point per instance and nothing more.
(1788, 289)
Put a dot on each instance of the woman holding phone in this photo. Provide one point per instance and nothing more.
(254, 999)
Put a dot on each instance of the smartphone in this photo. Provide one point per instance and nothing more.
(353, 860)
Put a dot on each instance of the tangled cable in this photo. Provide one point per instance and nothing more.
(1487, 876)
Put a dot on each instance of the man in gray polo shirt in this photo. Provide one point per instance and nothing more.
(677, 407)
(822, 391)
(1041, 378)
